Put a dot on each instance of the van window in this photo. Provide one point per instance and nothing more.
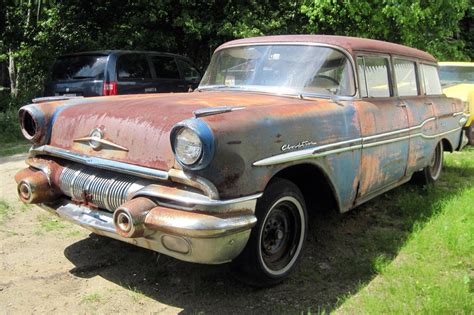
(133, 67)
(405, 77)
(373, 72)
(165, 67)
(190, 73)
(431, 80)
(79, 67)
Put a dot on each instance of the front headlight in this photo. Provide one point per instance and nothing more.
(187, 146)
(193, 144)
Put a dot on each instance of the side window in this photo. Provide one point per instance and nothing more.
(165, 67)
(405, 77)
(133, 67)
(373, 72)
(431, 80)
(190, 73)
(362, 80)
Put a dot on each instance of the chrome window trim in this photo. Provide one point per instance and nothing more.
(361, 143)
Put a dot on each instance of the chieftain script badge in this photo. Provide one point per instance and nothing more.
(300, 145)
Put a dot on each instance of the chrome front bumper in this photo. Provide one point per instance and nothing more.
(186, 220)
(188, 236)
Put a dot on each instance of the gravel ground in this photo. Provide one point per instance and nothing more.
(49, 266)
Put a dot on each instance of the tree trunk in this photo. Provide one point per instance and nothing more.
(12, 72)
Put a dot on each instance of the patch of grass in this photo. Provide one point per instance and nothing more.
(75, 233)
(49, 223)
(4, 210)
(432, 272)
(135, 293)
(92, 298)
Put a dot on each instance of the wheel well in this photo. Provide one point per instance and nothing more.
(447, 145)
(314, 185)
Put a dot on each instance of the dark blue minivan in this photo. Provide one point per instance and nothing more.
(121, 72)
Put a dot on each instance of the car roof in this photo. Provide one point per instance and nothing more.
(347, 43)
(457, 63)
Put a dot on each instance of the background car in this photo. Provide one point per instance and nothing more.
(121, 72)
(457, 80)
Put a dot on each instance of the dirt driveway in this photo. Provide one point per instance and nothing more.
(49, 266)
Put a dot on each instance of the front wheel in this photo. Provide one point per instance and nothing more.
(276, 242)
(432, 172)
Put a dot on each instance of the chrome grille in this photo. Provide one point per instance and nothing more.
(105, 189)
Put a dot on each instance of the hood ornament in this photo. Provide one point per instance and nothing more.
(96, 140)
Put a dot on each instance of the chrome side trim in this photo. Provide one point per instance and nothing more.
(361, 143)
(187, 200)
(439, 134)
(105, 164)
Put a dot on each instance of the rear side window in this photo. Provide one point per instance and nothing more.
(190, 73)
(79, 67)
(405, 77)
(373, 76)
(165, 67)
(431, 80)
(133, 67)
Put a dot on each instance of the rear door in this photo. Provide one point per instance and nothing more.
(77, 75)
(167, 75)
(420, 112)
(134, 74)
(384, 127)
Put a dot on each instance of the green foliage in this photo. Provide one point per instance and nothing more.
(430, 25)
(34, 32)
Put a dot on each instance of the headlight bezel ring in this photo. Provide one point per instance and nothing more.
(205, 136)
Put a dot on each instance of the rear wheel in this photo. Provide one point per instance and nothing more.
(276, 242)
(432, 172)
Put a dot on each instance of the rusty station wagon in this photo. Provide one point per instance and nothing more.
(278, 127)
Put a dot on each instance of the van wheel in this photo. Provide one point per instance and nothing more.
(432, 172)
(276, 242)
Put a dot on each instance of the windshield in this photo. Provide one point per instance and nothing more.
(283, 69)
(79, 67)
(456, 74)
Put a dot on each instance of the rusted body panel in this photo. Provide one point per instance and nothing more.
(361, 146)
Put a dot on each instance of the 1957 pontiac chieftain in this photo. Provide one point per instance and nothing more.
(278, 126)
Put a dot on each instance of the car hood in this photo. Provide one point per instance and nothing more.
(460, 90)
(138, 127)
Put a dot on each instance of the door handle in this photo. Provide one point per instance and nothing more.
(428, 103)
(402, 104)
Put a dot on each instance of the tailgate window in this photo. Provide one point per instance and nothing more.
(79, 67)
